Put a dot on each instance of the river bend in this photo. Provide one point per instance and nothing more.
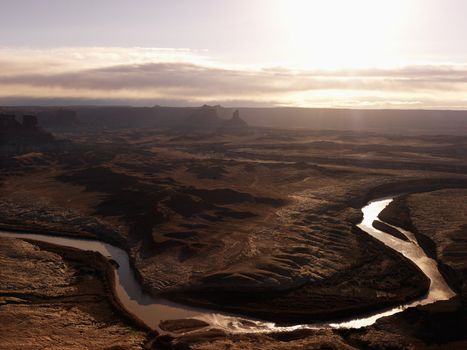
(151, 310)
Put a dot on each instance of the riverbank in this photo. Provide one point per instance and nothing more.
(53, 296)
(379, 225)
(437, 218)
(105, 271)
(57, 232)
(302, 305)
(214, 334)
(422, 214)
(289, 315)
(305, 304)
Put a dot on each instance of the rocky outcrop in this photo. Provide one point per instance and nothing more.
(18, 138)
(60, 299)
(389, 229)
(8, 122)
(207, 118)
(397, 213)
(235, 123)
(203, 118)
(438, 221)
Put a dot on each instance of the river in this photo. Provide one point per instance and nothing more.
(151, 310)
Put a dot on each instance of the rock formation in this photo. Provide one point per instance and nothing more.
(16, 138)
(9, 122)
(10, 125)
(235, 123)
(207, 118)
(203, 118)
(29, 122)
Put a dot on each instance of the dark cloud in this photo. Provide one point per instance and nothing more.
(185, 78)
(182, 83)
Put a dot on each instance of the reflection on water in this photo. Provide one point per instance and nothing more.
(149, 309)
(152, 310)
(439, 290)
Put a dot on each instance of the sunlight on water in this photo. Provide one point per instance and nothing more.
(151, 310)
(439, 290)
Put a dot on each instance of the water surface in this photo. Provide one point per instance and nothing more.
(151, 310)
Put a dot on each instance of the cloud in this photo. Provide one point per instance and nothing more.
(143, 75)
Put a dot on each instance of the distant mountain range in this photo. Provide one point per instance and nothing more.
(196, 118)
(218, 117)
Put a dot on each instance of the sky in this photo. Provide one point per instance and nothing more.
(308, 53)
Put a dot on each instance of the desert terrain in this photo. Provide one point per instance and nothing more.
(256, 221)
(55, 299)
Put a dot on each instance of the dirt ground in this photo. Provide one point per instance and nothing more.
(51, 302)
(261, 222)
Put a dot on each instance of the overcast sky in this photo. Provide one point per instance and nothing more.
(330, 53)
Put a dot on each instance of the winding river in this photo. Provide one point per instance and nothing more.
(151, 310)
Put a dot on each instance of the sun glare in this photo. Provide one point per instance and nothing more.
(339, 33)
